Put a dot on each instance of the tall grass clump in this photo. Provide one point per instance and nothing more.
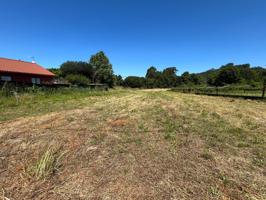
(47, 164)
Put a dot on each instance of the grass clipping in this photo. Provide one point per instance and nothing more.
(47, 164)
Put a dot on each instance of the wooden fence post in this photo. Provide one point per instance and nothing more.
(263, 89)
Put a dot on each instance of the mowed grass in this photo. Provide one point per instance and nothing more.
(135, 144)
(41, 102)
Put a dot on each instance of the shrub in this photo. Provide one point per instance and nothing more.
(77, 79)
(134, 82)
(73, 67)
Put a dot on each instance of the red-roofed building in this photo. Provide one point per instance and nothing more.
(24, 72)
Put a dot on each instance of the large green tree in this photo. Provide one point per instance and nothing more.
(152, 73)
(228, 75)
(185, 77)
(169, 77)
(102, 69)
(153, 78)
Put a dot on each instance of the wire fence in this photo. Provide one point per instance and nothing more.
(244, 92)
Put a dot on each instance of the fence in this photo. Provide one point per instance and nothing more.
(227, 91)
(12, 88)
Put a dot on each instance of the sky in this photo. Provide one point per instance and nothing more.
(192, 35)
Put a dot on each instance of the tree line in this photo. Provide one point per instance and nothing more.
(98, 69)
(226, 75)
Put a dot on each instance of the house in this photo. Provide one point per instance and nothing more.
(22, 72)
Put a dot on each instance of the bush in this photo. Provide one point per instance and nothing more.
(73, 67)
(77, 79)
(228, 75)
(134, 82)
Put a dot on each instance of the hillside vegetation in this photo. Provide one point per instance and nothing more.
(133, 144)
(99, 70)
(229, 74)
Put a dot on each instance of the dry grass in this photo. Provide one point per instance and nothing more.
(140, 144)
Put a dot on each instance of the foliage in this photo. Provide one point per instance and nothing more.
(169, 77)
(185, 77)
(228, 75)
(194, 79)
(77, 79)
(153, 78)
(102, 69)
(233, 74)
(152, 73)
(73, 67)
(162, 79)
(56, 71)
(134, 82)
(98, 70)
(118, 80)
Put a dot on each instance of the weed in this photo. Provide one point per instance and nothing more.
(243, 144)
(97, 139)
(207, 156)
(169, 136)
(48, 164)
(214, 192)
(143, 128)
(259, 158)
(138, 141)
(223, 177)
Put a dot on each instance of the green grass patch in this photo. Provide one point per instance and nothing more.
(41, 102)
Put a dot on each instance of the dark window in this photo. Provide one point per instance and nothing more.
(6, 78)
(36, 80)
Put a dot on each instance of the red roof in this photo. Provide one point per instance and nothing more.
(17, 66)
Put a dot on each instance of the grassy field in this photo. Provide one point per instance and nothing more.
(132, 144)
(30, 104)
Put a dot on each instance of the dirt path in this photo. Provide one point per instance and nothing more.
(147, 144)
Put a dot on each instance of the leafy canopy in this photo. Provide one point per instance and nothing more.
(103, 71)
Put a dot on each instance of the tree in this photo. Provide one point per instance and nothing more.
(228, 75)
(118, 80)
(185, 77)
(194, 79)
(78, 68)
(56, 71)
(211, 80)
(152, 73)
(134, 82)
(102, 69)
(264, 77)
(169, 77)
(153, 78)
(151, 83)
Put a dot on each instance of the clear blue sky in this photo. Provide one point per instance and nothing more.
(192, 35)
